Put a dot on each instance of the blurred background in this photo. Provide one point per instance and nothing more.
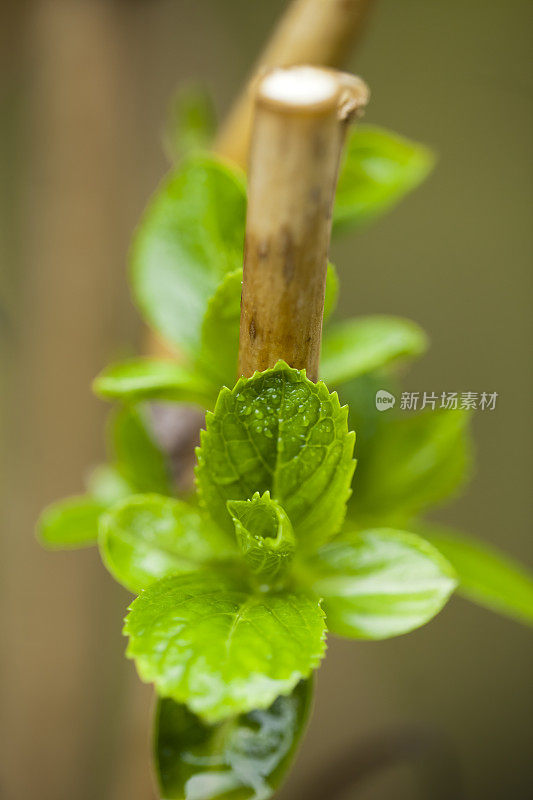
(84, 90)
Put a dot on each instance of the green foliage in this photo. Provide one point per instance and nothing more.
(281, 433)
(244, 758)
(73, 522)
(265, 536)
(415, 461)
(107, 485)
(190, 123)
(153, 379)
(228, 624)
(211, 642)
(379, 583)
(70, 523)
(138, 458)
(220, 332)
(147, 537)
(365, 344)
(190, 237)
(379, 168)
(486, 575)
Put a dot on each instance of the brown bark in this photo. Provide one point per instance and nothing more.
(294, 159)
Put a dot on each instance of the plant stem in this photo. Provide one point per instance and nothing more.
(300, 121)
(320, 32)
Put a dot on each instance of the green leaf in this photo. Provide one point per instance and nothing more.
(190, 237)
(279, 432)
(107, 485)
(244, 758)
(206, 641)
(359, 346)
(138, 458)
(70, 523)
(379, 168)
(148, 537)
(380, 583)
(220, 332)
(415, 461)
(191, 121)
(332, 291)
(486, 575)
(265, 536)
(153, 379)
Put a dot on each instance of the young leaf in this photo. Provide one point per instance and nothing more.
(486, 575)
(220, 332)
(191, 121)
(379, 168)
(279, 432)
(70, 523)
(147, 537)
(359, 346)
(206, 641)
(138, 458)
(246, 756)
(191, 236)
(265, 536)
(380, 583)
(415, 461)
(152, 379)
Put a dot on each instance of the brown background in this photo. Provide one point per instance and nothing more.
(84, 85)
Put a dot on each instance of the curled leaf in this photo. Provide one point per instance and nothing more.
(265, 536)
(247, 755)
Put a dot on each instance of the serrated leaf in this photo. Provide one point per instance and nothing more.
(138, 458)
(487, 576)
(207, 641)
(190, 237)
(358, 346)
(246, 756)
(279, 432)
(380, 583)
(379, 168)
(220, 330)
(265, 536)
(70, 523)
(148, 537)
(191, 121)
(153, 379)
(414, 462)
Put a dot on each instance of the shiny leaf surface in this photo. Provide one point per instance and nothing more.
(279, 432)
(208, 641)
(243, 758)
(148, 537)
(152, 379)
(380, 583)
